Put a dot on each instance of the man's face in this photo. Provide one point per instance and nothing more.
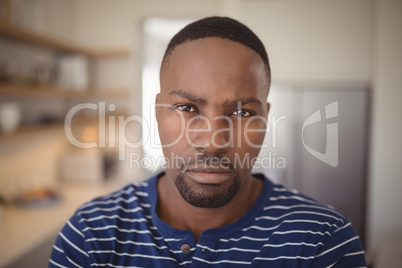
(211, 115)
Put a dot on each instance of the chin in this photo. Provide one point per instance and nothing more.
(207, 195)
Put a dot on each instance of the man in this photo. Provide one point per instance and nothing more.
(207, 209)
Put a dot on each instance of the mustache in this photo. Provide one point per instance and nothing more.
(207, 159)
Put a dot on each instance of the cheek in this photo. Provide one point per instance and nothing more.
(169, 132)
(250, 138)
(171, 129)
(252, 135)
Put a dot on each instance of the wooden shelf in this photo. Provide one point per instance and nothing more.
(55, 92)
(31, 131)
(40, 130)
(58, 45)
(49, 91)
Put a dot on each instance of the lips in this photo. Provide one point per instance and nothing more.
(209, 175)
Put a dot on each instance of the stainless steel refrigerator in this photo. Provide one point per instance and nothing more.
(317, 143)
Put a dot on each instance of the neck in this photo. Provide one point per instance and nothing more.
(179, 214)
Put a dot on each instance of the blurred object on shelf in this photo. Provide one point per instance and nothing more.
(44, 74)
(39, 197)
(89, 134)
(19, 73)
(73, 73)
(10, 117)
(26, 73)
(50, 120)
(88, 165)
(2, 205)
(1, 210)
(3, 73)
(23, 13)
(110, 160)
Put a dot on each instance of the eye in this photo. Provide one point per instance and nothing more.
(185, 108)
(242, 113)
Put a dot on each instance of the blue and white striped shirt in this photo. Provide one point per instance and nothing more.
(282, 229)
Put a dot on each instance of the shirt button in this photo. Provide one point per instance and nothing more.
(203, 250)
(185, 248)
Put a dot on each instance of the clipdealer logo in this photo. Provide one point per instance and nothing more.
(330, 156)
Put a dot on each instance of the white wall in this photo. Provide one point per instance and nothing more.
(100, 23)
(314, 40)
(50, 17)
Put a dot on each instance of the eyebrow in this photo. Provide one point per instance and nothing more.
(197, 99)
(243, 102)
(189, 96)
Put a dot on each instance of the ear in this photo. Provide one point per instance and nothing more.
(268, 107)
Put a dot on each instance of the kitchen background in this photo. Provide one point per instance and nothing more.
(104, 55)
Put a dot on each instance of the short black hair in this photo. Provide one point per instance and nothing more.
(222, 27)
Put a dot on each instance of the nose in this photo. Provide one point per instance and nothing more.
(210, 134)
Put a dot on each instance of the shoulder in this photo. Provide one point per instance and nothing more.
(128, 195)
(132, 201)
(291, 214)
(287, 204)
(296, 217)
(100, 222)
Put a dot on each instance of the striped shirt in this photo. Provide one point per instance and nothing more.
(282, 229)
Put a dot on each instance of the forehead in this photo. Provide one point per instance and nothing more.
(213, 65)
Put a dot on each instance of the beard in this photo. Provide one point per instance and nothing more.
(210, 195)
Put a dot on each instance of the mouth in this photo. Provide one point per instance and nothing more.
(209, 175)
